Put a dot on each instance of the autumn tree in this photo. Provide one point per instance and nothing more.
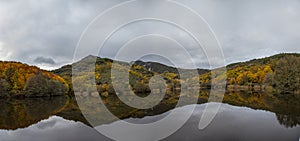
(4, 87)
(14, 77)
(269, 79)
(40, 85)
(287, 74)
(55, 88)
(36, 85)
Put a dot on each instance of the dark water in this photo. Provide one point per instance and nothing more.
(243, 116)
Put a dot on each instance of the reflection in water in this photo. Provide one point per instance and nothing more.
(22, 113)
(288, 121)
(237, 124)
(232, 123)
(52, 129)
(287, 105)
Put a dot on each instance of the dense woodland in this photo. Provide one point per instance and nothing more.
(21, 80)
(279, 73)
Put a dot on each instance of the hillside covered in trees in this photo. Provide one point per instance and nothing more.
(21, 80)
(280, 73)
(139, 75)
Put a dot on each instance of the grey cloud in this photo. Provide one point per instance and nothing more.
(252, 29)
(29, 29)
(43, 60)
(245, 29)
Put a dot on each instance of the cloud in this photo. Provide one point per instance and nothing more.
(43, 60)
(29, 29)
(245, 29)
(4, 52)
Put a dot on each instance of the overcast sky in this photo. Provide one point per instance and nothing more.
(45, 33)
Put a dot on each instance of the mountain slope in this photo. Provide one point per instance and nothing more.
(261, 72)
(280, 71)
(17, 79)
(272, 60)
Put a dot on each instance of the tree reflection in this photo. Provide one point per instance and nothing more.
(289, 121)
(20, 113)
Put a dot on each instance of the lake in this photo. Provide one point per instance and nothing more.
(243, 116)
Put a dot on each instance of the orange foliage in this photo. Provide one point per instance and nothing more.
(17, 74)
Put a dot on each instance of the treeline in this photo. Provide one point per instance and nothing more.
(21, 80)
(241, 75)
(281, 72)
(139, 76)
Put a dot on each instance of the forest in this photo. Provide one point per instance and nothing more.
(21, 80)
(279, 74)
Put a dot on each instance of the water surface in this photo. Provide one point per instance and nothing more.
(243, 116)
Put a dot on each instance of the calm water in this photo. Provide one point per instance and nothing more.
(246, 117)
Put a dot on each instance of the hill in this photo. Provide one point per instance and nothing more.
(21, 80)
(257, 72)
(280, 71)
(272, 60)
(139, 74)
